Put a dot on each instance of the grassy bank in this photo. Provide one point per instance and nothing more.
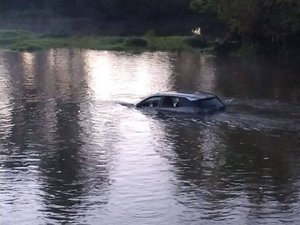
(25, 41)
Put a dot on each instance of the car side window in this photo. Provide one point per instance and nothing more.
(150, 102)
(210, 103)
(183, 102)
(173, 102)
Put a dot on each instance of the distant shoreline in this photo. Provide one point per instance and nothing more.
(18, 40)
(26, 41)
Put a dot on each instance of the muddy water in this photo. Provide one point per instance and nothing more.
(70, 154)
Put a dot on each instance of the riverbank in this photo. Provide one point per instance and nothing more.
(27, 41)
(18, 40)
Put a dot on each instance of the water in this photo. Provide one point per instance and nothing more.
(69, 154)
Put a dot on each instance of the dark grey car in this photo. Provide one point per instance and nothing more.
(182, 102)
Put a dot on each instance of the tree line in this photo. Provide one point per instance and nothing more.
(276, 21)
(263, 20)
(113, 9)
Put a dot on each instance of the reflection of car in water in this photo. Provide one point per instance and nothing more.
(182, 102)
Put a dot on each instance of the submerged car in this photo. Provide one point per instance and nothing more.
(182, 102)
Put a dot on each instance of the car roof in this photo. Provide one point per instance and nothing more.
(190, 95)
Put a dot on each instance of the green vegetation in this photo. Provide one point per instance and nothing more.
(135, 42)
(268, 27)
(8, 37)
(25, 41)
(272, 26)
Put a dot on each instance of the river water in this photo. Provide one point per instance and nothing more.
(70, 154)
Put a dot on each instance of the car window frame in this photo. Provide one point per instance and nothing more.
(139, 105)
(182, 102)
(162, 101)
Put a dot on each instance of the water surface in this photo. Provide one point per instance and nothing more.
(70, 154)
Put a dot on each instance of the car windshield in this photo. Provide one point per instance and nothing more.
(210, 103)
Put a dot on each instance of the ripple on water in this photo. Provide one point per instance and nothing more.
(70, 154)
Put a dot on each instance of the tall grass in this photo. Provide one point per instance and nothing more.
(172, 43)
(25, 41)
(11, 36)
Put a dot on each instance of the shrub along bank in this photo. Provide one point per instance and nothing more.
(25, 41)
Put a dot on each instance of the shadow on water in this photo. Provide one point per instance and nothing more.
(63, 183)
(44, 137)
(237, 78)
(258, 79)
